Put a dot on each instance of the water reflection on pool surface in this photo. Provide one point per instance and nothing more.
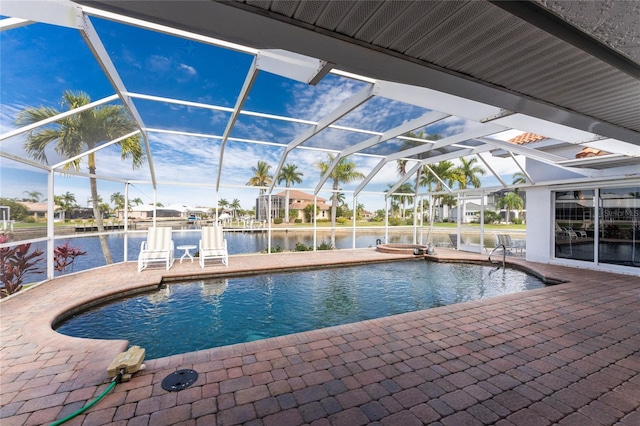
(186, 317)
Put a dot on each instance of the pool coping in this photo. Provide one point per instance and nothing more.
(33, 352)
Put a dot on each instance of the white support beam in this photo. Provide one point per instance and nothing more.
(403, 179)
(438, 177)
(25, 161)
(522, 169)
(370, 176)
(488, 166)
(352, 103)
(452, 155)
(168, 30)
(252, 74)
(535, 154)
(57, 117)
(96, 149)
(424, 120)
(292, 65)
(523, 150)
(94, 42)
(178, 102)
(547, 128)
(63, 13)
(438, 101)
(219, 108)
(485, 130)
(11, 23)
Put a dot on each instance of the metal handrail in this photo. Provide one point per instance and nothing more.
(504, 254)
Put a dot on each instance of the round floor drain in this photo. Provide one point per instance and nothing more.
(179, 380)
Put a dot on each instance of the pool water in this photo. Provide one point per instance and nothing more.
(204, 314)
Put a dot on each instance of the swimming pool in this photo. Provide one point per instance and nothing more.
(187, 317)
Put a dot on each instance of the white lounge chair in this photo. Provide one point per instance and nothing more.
(157, 249)
(213, 245)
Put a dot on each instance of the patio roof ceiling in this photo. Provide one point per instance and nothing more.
(547, 69)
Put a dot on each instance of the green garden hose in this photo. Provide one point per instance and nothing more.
(113, 384)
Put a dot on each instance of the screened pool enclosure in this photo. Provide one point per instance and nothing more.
(394, 88)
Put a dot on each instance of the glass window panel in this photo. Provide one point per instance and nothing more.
(574, 225)
(620, 226)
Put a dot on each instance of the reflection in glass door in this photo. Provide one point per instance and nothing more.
(619, 231)
(574, 225)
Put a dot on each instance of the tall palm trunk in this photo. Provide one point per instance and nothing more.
(96, 210)
(334, 212)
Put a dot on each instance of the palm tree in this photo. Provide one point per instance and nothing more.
(289, 175)
(510, 201)
(66, 201)
(79, 133)
(468, 171)
(118, 201)
(519, 178)
(137, 201)
(235, 206)
(262, 178)
(401, 195)
(34, 196)
(447, 173)
(450, 201)
(345, 171)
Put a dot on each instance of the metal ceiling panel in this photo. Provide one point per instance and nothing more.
(488, 43)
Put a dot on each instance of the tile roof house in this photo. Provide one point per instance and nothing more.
(298, 201)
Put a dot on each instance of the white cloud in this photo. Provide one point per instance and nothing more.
(189, 70)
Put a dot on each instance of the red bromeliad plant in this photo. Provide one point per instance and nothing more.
(64, 255)
(16, 262)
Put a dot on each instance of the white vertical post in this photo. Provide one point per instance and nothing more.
(458, 207)
(50, 229)
(415, 219)
(386, 220)
(421, 219)
(126, 222)
(155, 204)
(482, 205)
(269, 225)
(355, 214)
(315, 223)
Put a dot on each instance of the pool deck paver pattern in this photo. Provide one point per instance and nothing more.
(567, 354)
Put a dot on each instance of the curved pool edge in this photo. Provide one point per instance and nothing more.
(30, 348)
(83, 289)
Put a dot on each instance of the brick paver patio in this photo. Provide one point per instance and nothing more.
(567, 354)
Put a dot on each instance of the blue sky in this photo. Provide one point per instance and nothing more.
(39, 62)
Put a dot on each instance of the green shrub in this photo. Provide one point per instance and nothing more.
(29, 219)
(18, 211)
(489, 217)
(276, 249)
(325, 245)
(395, 221)
(323, 220)
(277, 220)
(298, 221)
(517, 221)
(302, 247)
(342, 220)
